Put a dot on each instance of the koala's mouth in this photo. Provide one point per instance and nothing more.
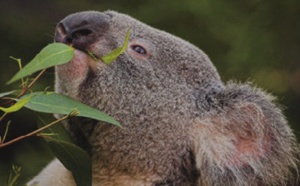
(92, 55)
(81, 39)
(87, 57)
(88, 53)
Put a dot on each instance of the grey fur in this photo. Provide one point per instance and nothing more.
(181, 124)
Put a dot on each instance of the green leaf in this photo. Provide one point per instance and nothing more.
(6, 93)
(75, 160)
(72, 157)
(61, 104)
(17, 106)
(53, 54)
(109, 58)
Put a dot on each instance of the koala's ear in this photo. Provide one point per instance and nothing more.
(244, 141)
(234, 136)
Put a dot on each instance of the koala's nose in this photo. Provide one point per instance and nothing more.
(82, 29)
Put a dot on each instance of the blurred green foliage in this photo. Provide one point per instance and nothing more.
(256, 40)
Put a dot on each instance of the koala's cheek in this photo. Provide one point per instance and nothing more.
(71, 75)
(76, 69)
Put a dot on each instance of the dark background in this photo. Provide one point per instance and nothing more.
(256, 40)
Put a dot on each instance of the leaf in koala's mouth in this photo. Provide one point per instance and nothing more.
(110, 57)
(92, 55)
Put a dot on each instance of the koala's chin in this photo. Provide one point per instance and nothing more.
(181, 124)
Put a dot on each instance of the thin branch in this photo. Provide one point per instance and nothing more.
(20, 67)
(6, 131)
(34, 132)
(24, 90)
(2, 117)
(45, 136)
(36, 78)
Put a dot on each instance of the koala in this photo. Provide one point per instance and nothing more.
(181, 125)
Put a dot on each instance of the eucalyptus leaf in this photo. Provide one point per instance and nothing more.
(61, 104)
(53, 54)
(75, 160)
(110, 57)
(17, 106)
(72, 157)
(6, 93)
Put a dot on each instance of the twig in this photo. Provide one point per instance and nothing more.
(45, 136)
(36, 78)
(24, 90)
(20, 67)
(34, 132)
(1, 118)
(6, 131)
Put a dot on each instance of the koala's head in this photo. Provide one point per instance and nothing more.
(152, 89)
(153, 61)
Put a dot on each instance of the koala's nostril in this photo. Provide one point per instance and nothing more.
(82, 29)
(67, 35)
(68, 40)
(81, 33)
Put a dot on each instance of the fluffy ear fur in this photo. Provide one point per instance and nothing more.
(243, 139)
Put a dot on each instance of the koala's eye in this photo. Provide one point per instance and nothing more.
(139, 49)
